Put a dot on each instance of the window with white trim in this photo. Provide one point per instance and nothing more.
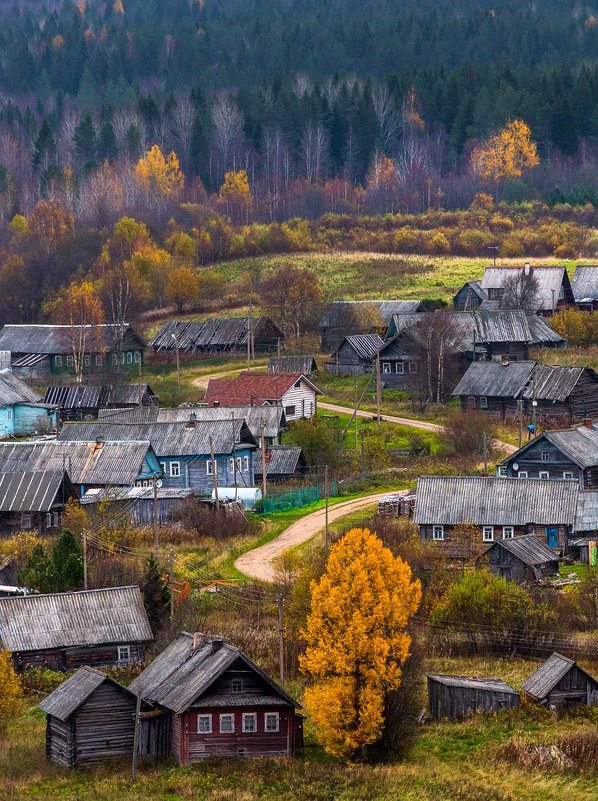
(289, 410)
(544, 474)
(412, 367)
(69, 361)
(163, 466)
(136, 357)
(237, 685)
(488, 533)
(239, 465)
(507, 532)
(124, 653)
(129, 357)
(26, 522)
(438, 532)
(58, 361)
(98, 359)
(249, 721)
(56, 518)
(49, 519)
(87, 360)
(175, 469)
(114, 359)
(483, 402)
(9, 413)
(271, 721)
(568, 474)
(545, 456)
(522, 474)
(399, 368)
(386, 367)
(231, 465)
(227, 723)
(204, 724)
(246, 464)
(209, 469)
(501, 471)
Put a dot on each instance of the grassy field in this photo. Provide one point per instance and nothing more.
(445, 762)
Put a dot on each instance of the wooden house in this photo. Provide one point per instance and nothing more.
(22, 414)
(88, 464)
(561, 684)
(183, 449)
(77, 402)
(521, 559)
(47, 350)
(219, 703)
(456, 697)
(501, 389)
(33, 501)
(470, 296)
(356, 355)
(584, 285)
(69, 629)
(293, 391)
(306, 365)
(138, 504)
(347, 317)
(465, 515)
(283, 463)
(217, 335)
(89, 718)
(553, 288)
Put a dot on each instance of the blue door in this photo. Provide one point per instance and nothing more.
(552, 537)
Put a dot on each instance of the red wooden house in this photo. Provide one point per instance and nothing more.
(219, 702)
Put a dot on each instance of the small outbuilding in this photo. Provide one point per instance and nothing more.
(454, 697)
(89, 718)
(283, 463)
(521, 559)
(561, 684)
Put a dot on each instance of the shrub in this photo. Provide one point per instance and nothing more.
(511, 248)
(439, 244)
(464, 432)
(206, 522)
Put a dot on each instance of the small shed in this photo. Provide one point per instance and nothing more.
(89, 718)
(521, 559)
(283, 463)
(562, 684)
(454, 697)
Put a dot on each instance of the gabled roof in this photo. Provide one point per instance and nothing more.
(473, 683)
(33, 491)
(68, 697)
(58, 338)
(13, 390)
(190, 438)
(344, 312)
(92, 397)
(585, 283)
(586, 514)
(451, 500)
(116, 463)
(250, 388)
(580, 444)
(548, 278)
(70, 619)
(365, 345)
(528, 549)
(495, 379)
(180, 675)
(476, 286)
(215, 332)
(292, 364)
(282, 460)
(548, 675)
(554, 383)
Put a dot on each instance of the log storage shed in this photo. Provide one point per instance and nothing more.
(454, 697)
(561, 683)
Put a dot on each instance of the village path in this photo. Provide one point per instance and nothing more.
(257, 564)
(201, 382)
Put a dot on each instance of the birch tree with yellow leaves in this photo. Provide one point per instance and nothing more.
(507, 154)
(357, 641)
(161, 178)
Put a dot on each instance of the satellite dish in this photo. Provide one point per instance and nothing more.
(159, 483)
(515, 466)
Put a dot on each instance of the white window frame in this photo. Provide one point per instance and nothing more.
(98, 360)
(400, 368)
(70, 361)
(239, 464)
(270, 715)
(9, 413)
(124, 653)
(231, 464)
(488, 533)
(508, 532)
(483, 402)
(49, 519)
(227, 716)
(568, 474)
(163, 466)
(438, 533)
(386, 367)
(115, 359)
(412, 367)
(136, 357)
(26, 522)
(208, 720)
(246, 717)
(58, 361)
(246, 464)
(236, 686)
(56, 518)
(545, 456)
(175, 469)
(522, 474)
(544, 474)
(129, 357)
(290, 410)
(501, 471)
(87, 360)
(122, 357)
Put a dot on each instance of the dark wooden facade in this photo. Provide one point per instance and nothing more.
(455, 544)
(541, 458)
(455, 697)
(70, 658)
(507, 563)
(560, 683)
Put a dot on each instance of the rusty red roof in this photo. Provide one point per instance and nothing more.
(253, 388)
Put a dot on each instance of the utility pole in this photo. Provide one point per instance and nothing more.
(485, 454)
(136, 737)
(156, 534)
(362, 457)
(84, 560)
(278, 354)
(140, 396)
(178, 362)
(249, 326)
(534, 403)
(378, 383)
(326, 492)
(171, 584)
(281, 636)
(263, 462)
(553, 303)
(355, 388)
(214, 476)
(520, 410)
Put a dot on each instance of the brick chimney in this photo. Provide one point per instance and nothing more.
(587, 422)
(197, 638)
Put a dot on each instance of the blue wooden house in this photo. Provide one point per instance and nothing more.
(21, 412)
(183, 449)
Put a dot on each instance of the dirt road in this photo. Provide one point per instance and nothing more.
(202, 381)
(257, 564)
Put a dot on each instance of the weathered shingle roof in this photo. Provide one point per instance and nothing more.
(215, 332)
(86, 463)
(13, 390)
(580, 443)
(69, 619)
(365, 345)
(93, 397)
(180, 675)
(250, 388)
(450, 500)
(372, 312)
(68, 697)
(167, 439)
(57, 338)
(31, 491)
(541, 682)
(292, 364)
(528, 549)
(282, 460)
(541, 332)
(473, 683)
(585, 283)
(586, 514)
(553, 382)
(495, 379)
(548, 278)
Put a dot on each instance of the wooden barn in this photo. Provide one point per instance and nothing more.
(283, 463)
(344, 318)
(562, 684)
(77, 402)
(33, 501)
(217, 335)
(455, 697)
(70, 629)
(220, 703)
(89, 718)
(521, 559)
(356, 355)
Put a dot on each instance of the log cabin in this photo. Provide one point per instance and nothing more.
(470, 296)
(33, 500)
(219, 702)
(561, 684)
(283, 463)
(78, 402)
(521, 559)
(347, 317)
(216, 335)
(552, 288)
(456, 697)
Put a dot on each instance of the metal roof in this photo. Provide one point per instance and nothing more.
(86, 462)
(586, 513)
(495, 379)
(69, 619)
(554, 382)
(528, 549)
(292, 364)
(37, 339)
(215, 332)
(585, 282)
(542, 681)
(29, 359)
(282, 460)
(68, 696)
(540, 331)
(93, 397)
(473, 683)
(31, 491)
(167, 439)
(13, 390)
(548, 277)
(580, 444)
(253, 388)
(450, 500)
(359, 312)
(364, 345)
(180, 675)
(98, 494)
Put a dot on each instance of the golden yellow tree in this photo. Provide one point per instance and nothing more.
(181, 287)
(356, 640)
(80, 308)
(507, 154)
(158, 175)
(10, 689)
(237, 194)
